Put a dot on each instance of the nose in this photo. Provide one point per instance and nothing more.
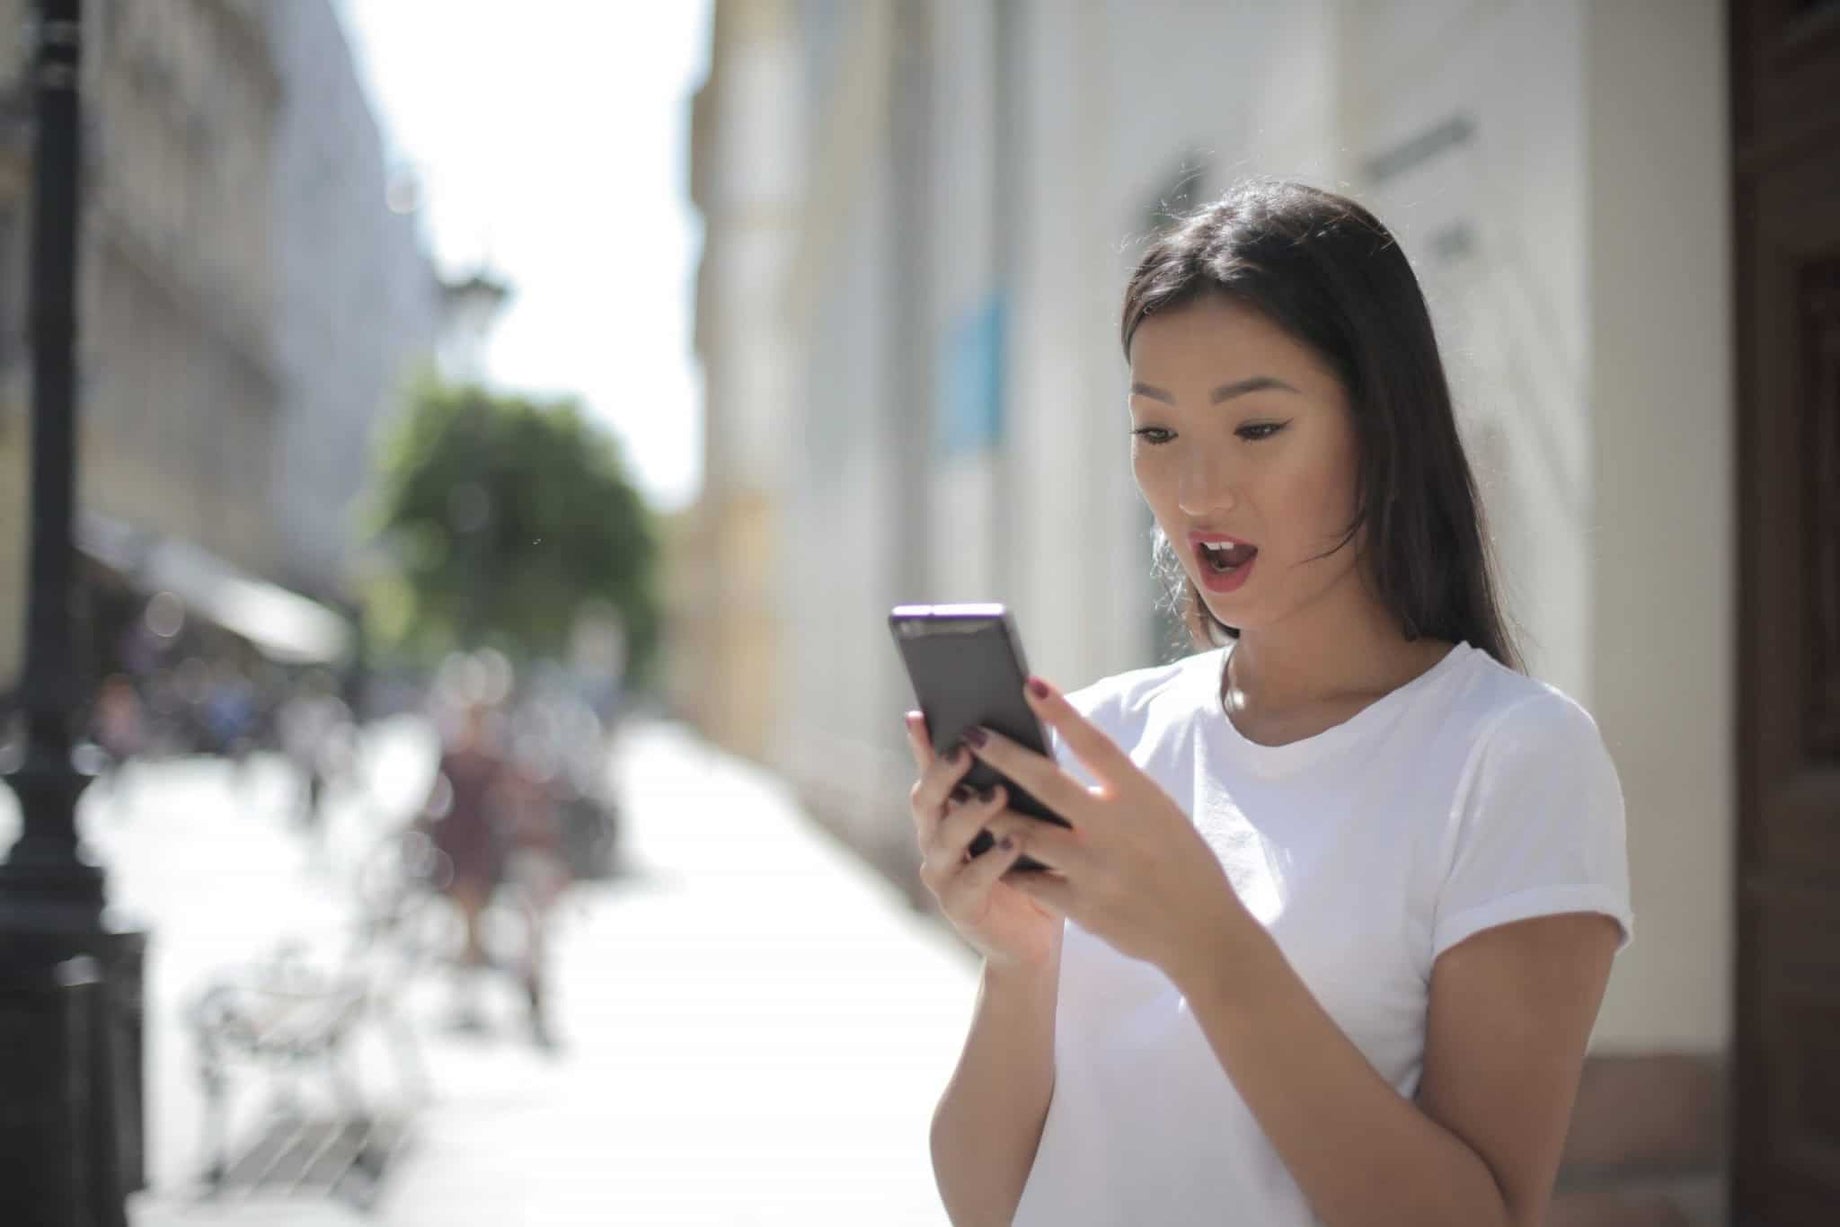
(1204, 486)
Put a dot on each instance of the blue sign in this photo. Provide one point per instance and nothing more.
(970, 410)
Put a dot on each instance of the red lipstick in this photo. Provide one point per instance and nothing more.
(1223, 562)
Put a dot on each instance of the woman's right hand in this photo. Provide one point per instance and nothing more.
(1002, 923)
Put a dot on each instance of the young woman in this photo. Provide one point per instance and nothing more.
(1342, 891)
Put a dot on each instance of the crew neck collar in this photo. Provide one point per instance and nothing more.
(1294, 755)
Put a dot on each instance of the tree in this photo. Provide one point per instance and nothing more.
(507, 518)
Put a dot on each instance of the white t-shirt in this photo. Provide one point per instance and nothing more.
(1469, 797)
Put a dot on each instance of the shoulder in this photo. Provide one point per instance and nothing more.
(1122, 695)
(1510, 713)
(1532, 747)
(1142, 706)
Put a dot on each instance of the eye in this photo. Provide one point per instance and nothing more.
(1254, 431)
(1153, 434)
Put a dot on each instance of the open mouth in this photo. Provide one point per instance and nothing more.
(1224, 557)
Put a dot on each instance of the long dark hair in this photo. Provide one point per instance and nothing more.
(1322, 268)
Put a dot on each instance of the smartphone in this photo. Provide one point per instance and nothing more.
(967, 668)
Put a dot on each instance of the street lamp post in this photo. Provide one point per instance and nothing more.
(70, 979)
(469, 310)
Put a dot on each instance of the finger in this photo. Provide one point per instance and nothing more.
(948, 841)
(1033, 772)
(975, 879)
(963, 821)
(928, 798)
(1110, 765)
(918, 742)
(1058, 848)
(946, 772)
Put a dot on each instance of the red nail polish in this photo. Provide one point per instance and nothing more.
(976, 736)
(1038, 688)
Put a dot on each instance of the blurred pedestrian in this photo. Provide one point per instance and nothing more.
(468, 828)
(314, 725)
(229, 711)
(536, 874)
(117, 727)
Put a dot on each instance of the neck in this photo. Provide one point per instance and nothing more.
(1342, 644)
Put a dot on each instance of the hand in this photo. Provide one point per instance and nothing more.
(1001, 923)
(1133, 870)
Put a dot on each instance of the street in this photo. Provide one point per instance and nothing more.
(754, 1026)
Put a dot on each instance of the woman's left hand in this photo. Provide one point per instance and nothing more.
(1133, 871)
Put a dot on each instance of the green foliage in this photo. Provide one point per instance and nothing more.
(506, 517)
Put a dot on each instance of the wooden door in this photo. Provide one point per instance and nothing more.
(1786, 169)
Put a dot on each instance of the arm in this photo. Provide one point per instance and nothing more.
(988, 1123)
(1509, 1016)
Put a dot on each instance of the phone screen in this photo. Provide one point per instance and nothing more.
(967, 668)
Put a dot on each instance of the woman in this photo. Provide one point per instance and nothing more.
(466, 818)
(1342, 891)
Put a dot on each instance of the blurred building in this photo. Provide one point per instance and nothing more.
(726, 558)
(254, 291)
(359, 306)
(920, 219)
(179, 387)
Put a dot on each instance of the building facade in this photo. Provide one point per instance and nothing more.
(723, 592)
(935, 334)
(182, 392)
(178, 388)
(359, 304)
(249, 300)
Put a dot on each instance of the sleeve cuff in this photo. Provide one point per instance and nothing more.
(1525, 905)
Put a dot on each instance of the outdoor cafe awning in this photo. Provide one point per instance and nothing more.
(284, 626)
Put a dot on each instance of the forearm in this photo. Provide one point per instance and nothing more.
(1363, 1155)
(988, 1123)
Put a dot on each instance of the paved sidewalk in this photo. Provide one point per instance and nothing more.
(755, 1026)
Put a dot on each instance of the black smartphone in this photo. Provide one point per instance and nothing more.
(967, 668)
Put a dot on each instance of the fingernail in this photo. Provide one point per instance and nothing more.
(1038, 688)
(1006, 843)
(976, 736)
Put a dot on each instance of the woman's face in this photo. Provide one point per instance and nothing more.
(1242, 436)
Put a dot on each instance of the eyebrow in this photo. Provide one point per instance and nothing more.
(1226, 391)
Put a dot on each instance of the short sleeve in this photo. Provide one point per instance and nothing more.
(1538, 826)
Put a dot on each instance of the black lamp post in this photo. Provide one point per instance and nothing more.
(70, 981)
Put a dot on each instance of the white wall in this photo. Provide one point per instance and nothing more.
(844, 691)
(1494, 227)
(1061, 561)
(1663, 633)
(829, 529)
(756, 188)
(964, 557)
